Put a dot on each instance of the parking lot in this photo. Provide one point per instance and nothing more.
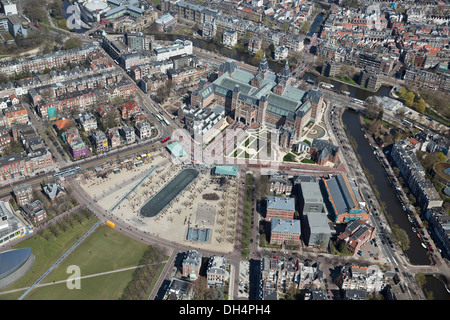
(244, 279)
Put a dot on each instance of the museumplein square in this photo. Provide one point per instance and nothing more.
(232, 157)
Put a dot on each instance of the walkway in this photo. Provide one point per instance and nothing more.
(46, 273)
(132, 189)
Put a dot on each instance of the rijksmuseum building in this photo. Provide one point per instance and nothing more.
(263, 100)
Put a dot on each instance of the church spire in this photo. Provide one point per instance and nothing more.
(263, 65)
(285, 73)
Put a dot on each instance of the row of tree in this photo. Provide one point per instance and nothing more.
(138, 287)
(63, 225)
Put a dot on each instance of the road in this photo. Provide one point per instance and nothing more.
(394, 257)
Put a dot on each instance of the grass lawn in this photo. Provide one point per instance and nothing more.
(46, 253)
(347, 79)
(289, 158)
(307, 161)
(104, 250)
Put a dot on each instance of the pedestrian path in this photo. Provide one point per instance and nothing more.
(132, 189)
(46, 273)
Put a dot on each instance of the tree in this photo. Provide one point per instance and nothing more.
(401, 237)
(409, 98)
(380, 115)
(374, 126)
(72, 43)
(34, 9)
(402, 92)
(441, 157)
(259, 55)
(56, 9)
(420, 105)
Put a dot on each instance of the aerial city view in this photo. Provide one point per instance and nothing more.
(224, 150)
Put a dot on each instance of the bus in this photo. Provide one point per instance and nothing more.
(37, 26)
(165, 139)
(110, 223)
(158, 117)
(166, 122)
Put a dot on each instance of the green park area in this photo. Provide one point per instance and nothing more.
(106, 260)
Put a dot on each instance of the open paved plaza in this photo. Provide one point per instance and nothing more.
(125, 193)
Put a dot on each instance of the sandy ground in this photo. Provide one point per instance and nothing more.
(172, 223)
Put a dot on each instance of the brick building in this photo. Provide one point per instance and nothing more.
(191, 264)
(357, 233)
(285, 232)
(280, 207)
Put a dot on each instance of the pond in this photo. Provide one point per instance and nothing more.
(170, 191)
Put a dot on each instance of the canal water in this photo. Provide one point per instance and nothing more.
(416, 253)
(316, 23)
(436, 287)
(355, 92)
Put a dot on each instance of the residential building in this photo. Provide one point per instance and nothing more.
(99, 141)
(308, 276)
(254, 44)
(14, 166)
(35, 211)
(216, 272)
(357, 233)
(331, 69)
(127, 134)
(368, 278)
(54, 190)
(180, 289)
(370, 79)
(15, 114)
(143, 130)
(439, 222)
(78, 148)
(209, 29)
(285, 232)
(403, 154)
(191, 264)
(230, 38)
(114, 137)
(23, 194)
(281, 53)
(129, 108)
(204, 123)
(280, 207)
(87, 121)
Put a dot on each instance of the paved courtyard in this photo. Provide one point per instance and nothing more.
(186, 210)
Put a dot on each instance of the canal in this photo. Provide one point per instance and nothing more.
(416, 254)
(355, 92)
